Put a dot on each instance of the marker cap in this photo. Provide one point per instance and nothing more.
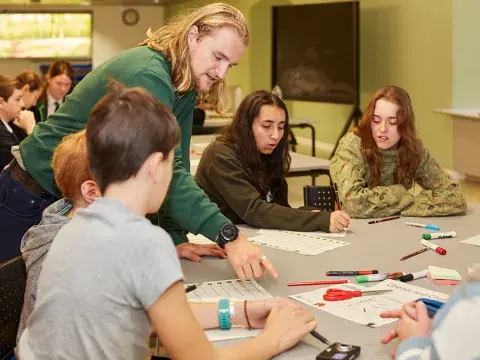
(405, 278)
(362, 279)
(432, 227)
(373, 277)
(427, 236)
(440, 251)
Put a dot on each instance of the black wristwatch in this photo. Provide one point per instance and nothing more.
(228, 232)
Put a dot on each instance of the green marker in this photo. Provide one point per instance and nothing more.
(370, 278)
(444, 235)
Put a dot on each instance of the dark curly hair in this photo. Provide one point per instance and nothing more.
(266, 171)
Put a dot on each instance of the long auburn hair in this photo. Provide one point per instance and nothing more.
(172, 41)
(266, 171)
(408, 155)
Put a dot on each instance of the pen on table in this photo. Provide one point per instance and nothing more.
(395, 275)
(190, 288)
(444, 235)
(426, 226)
(335, 188)
(321, 282)
(373, 277)
(436, 248)
(317, 336)
(413, 254)
(413, 276)
(351, 273)
(384, 219)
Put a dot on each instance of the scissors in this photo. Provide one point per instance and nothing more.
(339, 294)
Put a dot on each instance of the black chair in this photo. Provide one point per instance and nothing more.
(13, 278)
(198, 125)
(320, 197)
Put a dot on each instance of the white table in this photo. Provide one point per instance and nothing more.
(221, 122)
(214, 124)
(217, 122)
(466, 131)
(377, 246)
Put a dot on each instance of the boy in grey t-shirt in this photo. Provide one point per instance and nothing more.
(117, 264)
(109, 265)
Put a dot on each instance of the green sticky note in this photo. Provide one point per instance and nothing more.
(443, 273)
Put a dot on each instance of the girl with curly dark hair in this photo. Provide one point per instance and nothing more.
(243, 171)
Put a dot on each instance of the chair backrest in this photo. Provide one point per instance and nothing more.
(13, 278)
(198, 116)
(320, 197)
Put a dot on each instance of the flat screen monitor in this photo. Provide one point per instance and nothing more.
(315, 52)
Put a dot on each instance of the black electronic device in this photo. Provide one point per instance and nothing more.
(228, 232)
(339, 351)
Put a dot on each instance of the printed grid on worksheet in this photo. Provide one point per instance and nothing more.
(304, 243)
(228, 289)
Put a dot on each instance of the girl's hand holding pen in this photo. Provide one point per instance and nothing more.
(339, 220)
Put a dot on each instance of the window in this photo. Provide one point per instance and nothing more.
(46, 35)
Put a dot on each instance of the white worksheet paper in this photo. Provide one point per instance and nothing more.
(472, 241)
(235, 290)
(365, 310)
(198, 239)
(340, 234)
(300, 243)
(199, 146)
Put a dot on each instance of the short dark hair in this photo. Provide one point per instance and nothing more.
(8, 86)
(125, 127)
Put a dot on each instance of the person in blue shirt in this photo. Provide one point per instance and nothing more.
(451, 334)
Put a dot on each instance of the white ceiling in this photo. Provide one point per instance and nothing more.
(26, 3)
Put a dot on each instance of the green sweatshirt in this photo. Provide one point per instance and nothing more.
(223, 178)
(349, 169)
(185, 204)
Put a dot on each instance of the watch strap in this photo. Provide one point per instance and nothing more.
(224, 314)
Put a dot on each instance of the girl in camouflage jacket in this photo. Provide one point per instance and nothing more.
(377, 164)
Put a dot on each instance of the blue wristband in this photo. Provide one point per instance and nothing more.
(224, 314)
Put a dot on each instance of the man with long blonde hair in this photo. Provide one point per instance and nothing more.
(182, 64)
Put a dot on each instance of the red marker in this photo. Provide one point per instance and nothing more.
(436, 248)
(321, 282)
(351, 273)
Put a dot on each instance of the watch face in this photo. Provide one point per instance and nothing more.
(229, 232)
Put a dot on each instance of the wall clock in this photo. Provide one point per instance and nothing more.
(130, 17)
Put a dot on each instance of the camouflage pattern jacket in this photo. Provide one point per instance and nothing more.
(349, 169)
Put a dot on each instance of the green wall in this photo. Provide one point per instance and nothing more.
(402, 42)
(466, 53)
